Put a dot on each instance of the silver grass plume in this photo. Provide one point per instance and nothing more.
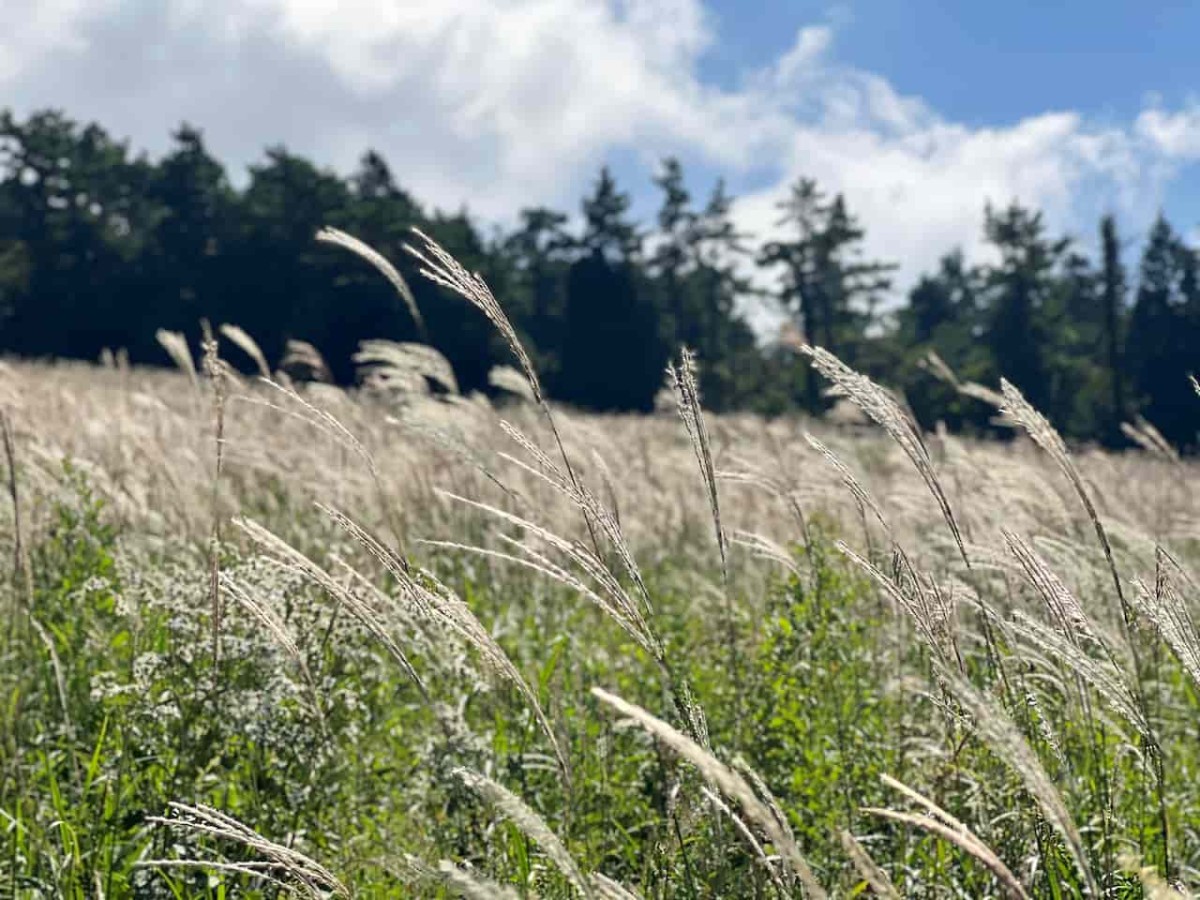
(460, 881)
(930, 607)
(937, 367)
(437, 603)
(610, 485)
(1065, 610)
(1150, 439)
(367, 615)
(1171, 616)
(1044, 435)
(594, 512)
(177, 348)
(282, 865)
(267, 618)
(964, 840)
(744, 769)
(303, 355)
(216, 370)
(777, 487)
(687, 402)
(872, 874)
(470, 886)
(728, 782)
(882, 408)
(325, 421)
(354, 245)
(1004, 739)
(763, 547)
(1106, 676)
(332, 426)
(747, 835)
(1103, 676)
(932, 363)
(861, 495)
(529, 823)
(608, 889)
(404, 365)
(453, 441)
(506, 378)
(1154, 887)
(610, 595)
(247, 345)
(441, 268)
(278, 630)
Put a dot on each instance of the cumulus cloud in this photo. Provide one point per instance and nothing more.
(32, 29)
(504, 103)
(920, 183)
(1175, 134)
(497, 104)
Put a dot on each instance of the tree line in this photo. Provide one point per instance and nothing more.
(99, 248)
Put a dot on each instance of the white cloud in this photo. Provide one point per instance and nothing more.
(1176, 134)
(504, 103)
(807, 52)
(32, 29)
(920, 183)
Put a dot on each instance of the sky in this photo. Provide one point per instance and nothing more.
(918, 111)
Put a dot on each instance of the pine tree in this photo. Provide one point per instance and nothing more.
(539, 254)
(731, 365)
(826, 283)
(676, 224)
(192, 237)
(1113, 298)
(1018, 288)
(1161, 343)
(613, 352)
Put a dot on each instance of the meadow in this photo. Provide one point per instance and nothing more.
(263, 636)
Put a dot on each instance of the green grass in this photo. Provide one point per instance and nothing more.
(822, 694)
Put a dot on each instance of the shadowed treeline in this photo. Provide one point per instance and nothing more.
(100, 248)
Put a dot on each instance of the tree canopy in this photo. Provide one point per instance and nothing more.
(100, 247)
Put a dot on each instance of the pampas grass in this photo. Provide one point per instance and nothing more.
(276, 863)
(177, 348)
(443, 583)
(687, 394)
(303, 357)
(729, 783)
(882, 408)
(403, 366)
(249, 346)
(340, 238)
(530, 823)
(875, 877)
(1002, 736)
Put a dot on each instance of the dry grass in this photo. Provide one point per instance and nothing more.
(466, 542)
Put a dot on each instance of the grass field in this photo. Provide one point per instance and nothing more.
(378, 643)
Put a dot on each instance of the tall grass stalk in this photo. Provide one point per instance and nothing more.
(729, 783)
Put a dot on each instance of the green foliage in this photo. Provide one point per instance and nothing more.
(113, 706)
(823, 732)
(1163, 328)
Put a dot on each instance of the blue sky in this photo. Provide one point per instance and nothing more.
(986, 62)
(992, 64)
(918, 111)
